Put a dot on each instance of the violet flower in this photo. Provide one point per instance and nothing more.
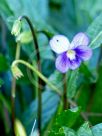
(70, 55)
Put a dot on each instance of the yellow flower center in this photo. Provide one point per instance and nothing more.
(71, 54)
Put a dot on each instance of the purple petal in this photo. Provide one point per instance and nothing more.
(59, 44)
(80, 39)
(73, 64)
(83, 52)
(62, 63)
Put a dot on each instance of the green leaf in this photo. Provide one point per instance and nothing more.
(73, 13)
(97, 98)
(48, 67)
(72, 83)
(84, 96)
(67, 131)
(86, 6)
(63, 131)
(49, 106)
(87, 73)
(66, 118)
(57, 2)
(95, 32)
(3, 63)
(97, 130)
(5, 10)
(72, 77)
(84, 130)
(44, 49)
(9, 12)
(1, 82)
(56, 78)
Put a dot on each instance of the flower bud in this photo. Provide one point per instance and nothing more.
(16, 28)
(19, 129)
(16, 72)
(24, 37)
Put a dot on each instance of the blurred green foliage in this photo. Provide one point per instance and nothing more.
(51, 17)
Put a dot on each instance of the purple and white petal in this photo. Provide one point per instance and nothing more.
(83, 52)
(59, 44)
(79, 39)
(74, 64)
(62, 63)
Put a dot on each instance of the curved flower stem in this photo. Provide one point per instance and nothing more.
(65, 101)
(47, 33)
(38, 73)
(39, 68)
(34, 36)
(14, 88)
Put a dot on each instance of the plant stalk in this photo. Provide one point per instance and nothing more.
(13, 90)
(39, 68)
(65, 100)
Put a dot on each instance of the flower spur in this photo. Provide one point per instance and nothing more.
(70, 55)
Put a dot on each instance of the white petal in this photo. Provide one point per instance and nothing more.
(59, 44)
(80, 39)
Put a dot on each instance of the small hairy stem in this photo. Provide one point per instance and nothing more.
(14, 88)
(65, 100)
(39, 68)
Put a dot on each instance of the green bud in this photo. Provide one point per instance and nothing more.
(19, 129)
(16, 28)
(24, 37)
(16, 72)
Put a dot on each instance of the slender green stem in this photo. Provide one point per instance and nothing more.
(34, 36)
(14, 80)
(39, 68)
(65, 100)
(46, 33)
(14, 88)
(38, 73)
(17, 51)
